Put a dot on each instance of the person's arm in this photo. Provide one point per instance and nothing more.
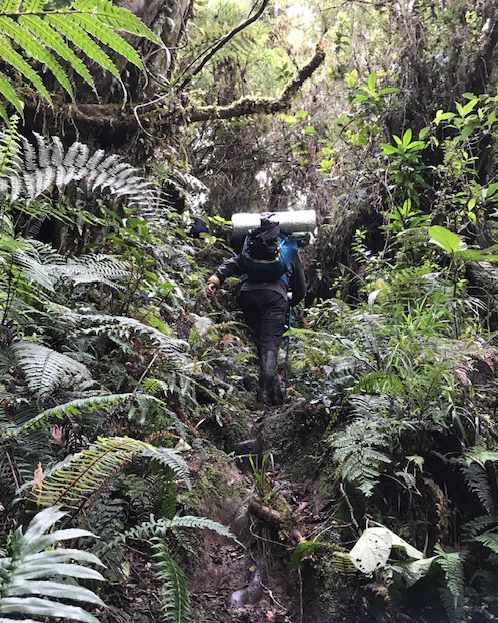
(229, 268)
(297, 282)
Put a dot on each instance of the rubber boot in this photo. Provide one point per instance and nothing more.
(269, 376)
(276, 395)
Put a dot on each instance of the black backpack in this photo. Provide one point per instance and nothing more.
(262, 243)
(267, 255)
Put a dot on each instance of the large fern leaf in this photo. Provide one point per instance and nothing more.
(55, 38)
(34, 559)
(95, 404)
(46, 165)
(452, 595)
(174, 595)
(126, 328)
(10, 147)
(46, 369)
(156, 528)
(86, 473)
(358, 453)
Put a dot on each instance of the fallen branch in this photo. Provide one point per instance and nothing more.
(265, 513)
(112, 117)
(273, 518)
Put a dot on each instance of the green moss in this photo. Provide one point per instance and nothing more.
(218, 487)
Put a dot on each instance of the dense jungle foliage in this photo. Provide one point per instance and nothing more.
(141, 481)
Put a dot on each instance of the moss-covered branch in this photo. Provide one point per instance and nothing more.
(112, 118)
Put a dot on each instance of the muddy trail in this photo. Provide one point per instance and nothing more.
(264, 483)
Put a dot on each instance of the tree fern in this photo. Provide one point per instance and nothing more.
(45, 165)
(59, 38)
(46, 369)
(174, 595)
(86, 473)
(27, 587)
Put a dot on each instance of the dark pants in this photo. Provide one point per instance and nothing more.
(266, 312)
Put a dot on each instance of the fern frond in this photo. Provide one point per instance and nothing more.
(102, 269)
(87, 472)
(94, 404)
(358, 454)
(9, 94)
(52, 40)
(489, 540)
(16, 61)
(126, 328)
(175, 602)
(480, 455)
(46, 369)
(46, 165)
(477, 481)
(119, 18)
(479, 524)
(161, 527)
(34, 271)
(44, 35)
(37, 51)
(9, 147)
(452, 595)
(72, 31)
(27, 587)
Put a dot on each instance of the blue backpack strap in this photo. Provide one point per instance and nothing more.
(288, 252)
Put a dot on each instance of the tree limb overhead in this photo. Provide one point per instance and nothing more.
(111, 117)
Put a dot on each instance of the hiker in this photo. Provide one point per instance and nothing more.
(272, 279)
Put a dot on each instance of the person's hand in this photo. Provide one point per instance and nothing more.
(212, 286)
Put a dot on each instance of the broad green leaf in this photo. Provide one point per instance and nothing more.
(416, 146)
(475, 255)
(372, 82)
(351, 78)
(445, 239)
(305, 548)
(43, 608)
(443, 116)
(389, 149)
(491, 189)
(423, 134)
(469, 107)
(58, 590)
(371, 552)
(407, 137)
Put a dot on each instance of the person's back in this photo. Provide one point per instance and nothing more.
(270, 268)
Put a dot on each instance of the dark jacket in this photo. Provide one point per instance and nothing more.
(297, 281)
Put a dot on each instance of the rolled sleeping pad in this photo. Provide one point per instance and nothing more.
(290, 222)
